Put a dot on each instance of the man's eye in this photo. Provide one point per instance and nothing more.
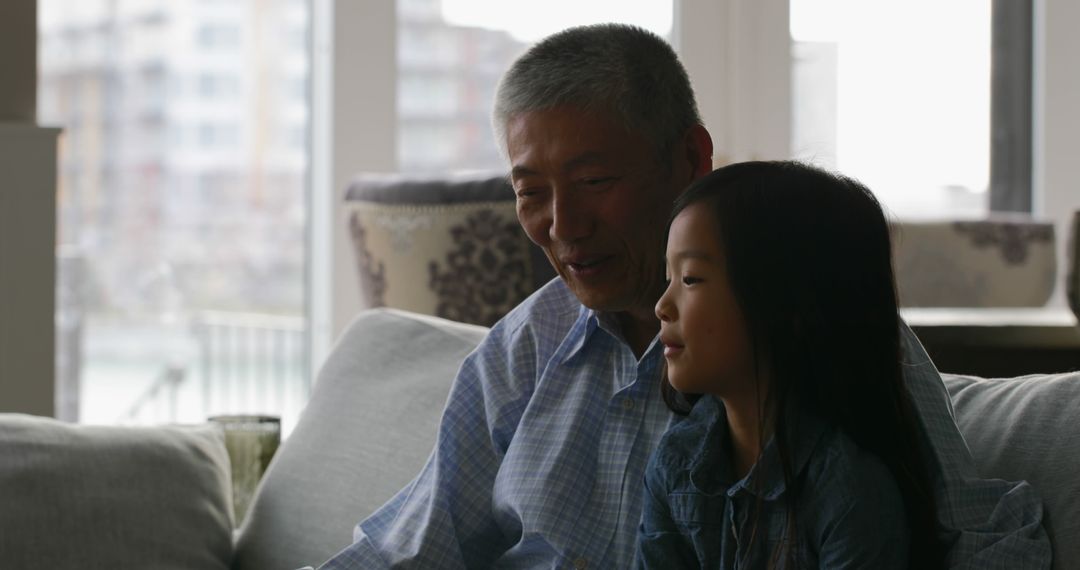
(598, 180)
(688, 280)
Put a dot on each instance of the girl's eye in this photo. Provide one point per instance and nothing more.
(688, 280)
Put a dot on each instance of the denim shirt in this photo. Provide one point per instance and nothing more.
(849, 511)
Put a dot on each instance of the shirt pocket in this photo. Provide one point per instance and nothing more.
(703, 520)
(698, 509)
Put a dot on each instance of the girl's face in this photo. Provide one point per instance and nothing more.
(706, 344)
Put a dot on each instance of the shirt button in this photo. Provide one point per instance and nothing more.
(581, 563)
(628, 404)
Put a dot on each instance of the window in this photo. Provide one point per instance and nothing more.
(451, 55)
(215, 36)
(1011, 106)
(181, 206)
(898, 95)
(218, 85)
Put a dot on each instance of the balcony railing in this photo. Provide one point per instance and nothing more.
(247, 364)
(251, 363)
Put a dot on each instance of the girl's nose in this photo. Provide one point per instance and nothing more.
(665, 310)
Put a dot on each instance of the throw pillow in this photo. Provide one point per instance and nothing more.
(91, 497)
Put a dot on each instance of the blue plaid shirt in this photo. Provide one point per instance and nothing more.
(543, 444)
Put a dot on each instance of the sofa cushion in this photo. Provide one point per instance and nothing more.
(364, 435)
(90, 497)
(1026, 429)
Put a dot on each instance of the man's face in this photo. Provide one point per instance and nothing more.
(596, 199)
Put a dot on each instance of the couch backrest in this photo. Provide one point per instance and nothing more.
(1027, 428)
(389, 374)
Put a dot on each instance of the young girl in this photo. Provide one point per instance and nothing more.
(782, 344)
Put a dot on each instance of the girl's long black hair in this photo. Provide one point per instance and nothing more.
(809, 258)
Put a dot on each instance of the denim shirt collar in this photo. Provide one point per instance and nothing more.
(711, 473)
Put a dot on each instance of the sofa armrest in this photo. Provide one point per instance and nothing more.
(366, 432)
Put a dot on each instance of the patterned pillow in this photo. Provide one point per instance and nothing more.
(451, 247)
(464, 262)
(1001, 262)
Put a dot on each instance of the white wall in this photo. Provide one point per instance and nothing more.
(18, 61)
(27, 223)
(738, 55)
(354, 129)
(27, 268)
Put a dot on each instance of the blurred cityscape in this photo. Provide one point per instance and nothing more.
(182, 190)
(446, 85)
(184, 150)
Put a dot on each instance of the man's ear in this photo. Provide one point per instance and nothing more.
(699, 149)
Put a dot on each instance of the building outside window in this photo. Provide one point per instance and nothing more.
(451, 54)
(181, 206)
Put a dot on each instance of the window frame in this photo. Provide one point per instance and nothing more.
(1011, 105)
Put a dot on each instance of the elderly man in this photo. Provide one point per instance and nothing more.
(551, 421)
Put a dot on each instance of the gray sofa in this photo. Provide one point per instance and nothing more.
(140, 497)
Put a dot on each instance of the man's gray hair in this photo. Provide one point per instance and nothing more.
(624, 70)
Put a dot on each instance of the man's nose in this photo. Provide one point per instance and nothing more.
(570, 218)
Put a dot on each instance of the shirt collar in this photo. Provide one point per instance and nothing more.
(712, 473)
(589, 321)
(584, 327)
